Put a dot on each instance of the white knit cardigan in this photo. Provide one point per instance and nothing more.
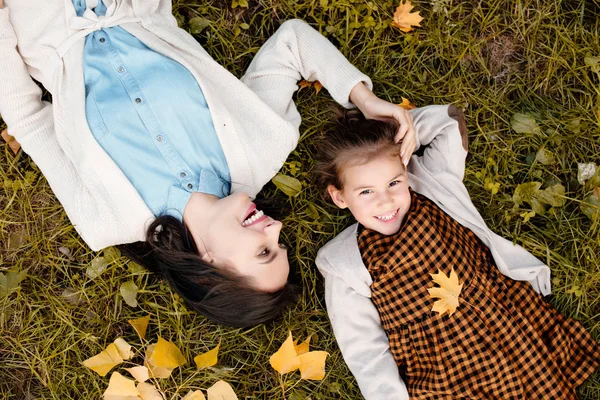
(255, 119)
(437, 174)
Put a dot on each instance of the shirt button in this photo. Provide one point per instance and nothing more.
(138, 100)
(102, 40)
(190, 186)
(159, 138)
(121, 69)
(183, 174)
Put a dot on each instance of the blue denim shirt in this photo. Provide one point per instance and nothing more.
(148, 113)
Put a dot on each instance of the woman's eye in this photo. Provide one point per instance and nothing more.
(265, 252)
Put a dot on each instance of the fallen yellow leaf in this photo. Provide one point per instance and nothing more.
(139, 373)
(121, 386)
(406, 104)
(318, 86)
(123, 348)
(140, 325)
(208, 359)
(195, 395)
(10, 141)
(148, 392)
(167, 355)
(221, 391)
(447, 293)
(404, 19)
(312, 365)
(154, 371)
(303, 347)
(285, 359)
(104, 361)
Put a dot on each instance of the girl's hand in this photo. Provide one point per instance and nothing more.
(375, 108)
(1, 5)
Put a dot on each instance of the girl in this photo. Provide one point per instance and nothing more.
(144, 124)
(502, 342)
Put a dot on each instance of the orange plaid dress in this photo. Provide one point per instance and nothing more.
(503, 342)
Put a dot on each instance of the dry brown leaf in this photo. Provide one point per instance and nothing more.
(306, 84)
(209, 358)
(405, 19)
(285, 359)
(122, 387)
(312, 365)
(318, 86)
(140, 325)
(104, 361)
(11, 141)
(221, 391)
(167, 355)
(406, 104)
(447, 293)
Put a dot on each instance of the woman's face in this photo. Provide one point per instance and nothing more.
(231, 232)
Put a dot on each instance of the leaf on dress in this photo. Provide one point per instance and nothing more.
(405, 19)
(406, 104)
(11, 141)
(448, 292)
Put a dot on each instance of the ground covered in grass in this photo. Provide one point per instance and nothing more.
(493, 58)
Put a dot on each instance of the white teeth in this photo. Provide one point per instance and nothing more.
(253, 218)
(387, 217)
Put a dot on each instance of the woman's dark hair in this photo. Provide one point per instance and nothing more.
(351, 140)
(217, 293)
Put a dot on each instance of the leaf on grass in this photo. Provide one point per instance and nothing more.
(208, 359)
(124, 349)
(527, 215)
(303, 347)
(154, 371)
(148, 392)
(318, 86)
(221, 391)
(405, 19)
(287, 184)
(140, 325)
(198, 24)
(120, 387)
(447, 293)
(11, 141)
(195, 395)
(129, 292)
(167, 355)
(72, 296)
(593, 62)
(553, 195)
(312, 365)
(139, 373)
(96, 267)
(406, 104)
(524, 123)
(585, 171)
(591, 205)
(104, 361)
(285, 359)
(10, 281)
(545, 157)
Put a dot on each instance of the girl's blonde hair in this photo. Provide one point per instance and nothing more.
(351, 140)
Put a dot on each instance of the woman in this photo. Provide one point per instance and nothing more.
(144, 124)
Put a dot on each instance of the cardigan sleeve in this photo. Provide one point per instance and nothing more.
(297, 51)
(362, 341)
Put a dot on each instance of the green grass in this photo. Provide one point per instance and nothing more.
(493, 58)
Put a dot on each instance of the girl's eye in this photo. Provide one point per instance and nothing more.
(394, 183)
(366, 191)
(265, 252)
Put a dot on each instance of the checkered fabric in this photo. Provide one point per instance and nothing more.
(503, 342)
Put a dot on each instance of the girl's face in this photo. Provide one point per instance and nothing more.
(232, 233)
(375, 192)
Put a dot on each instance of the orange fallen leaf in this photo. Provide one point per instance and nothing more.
(405, 19)
(447, 293)
(318, 86)
(303, 347)
(285, 359)
(306, 84)
(221, 391)
(121, 387)
(140, 325)
(11, 141)
(312, 365)
(208, 359)
(104, 361)
(167, 355)
(406, 104)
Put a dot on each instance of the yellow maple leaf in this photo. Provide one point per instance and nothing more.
(221, 391)
(312, 365)
(303, 347)
(167, 355)
(104, 361)
(195, 395)
(406, 104)
(120, 387)
(447, 293)
(404, 19)
(148, 392)
(154, 371)
(285, 359)
(208, 359)
(140, 325)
